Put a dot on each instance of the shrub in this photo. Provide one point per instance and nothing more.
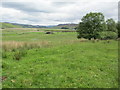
(64, 28)
(108, 35)
(78, 36)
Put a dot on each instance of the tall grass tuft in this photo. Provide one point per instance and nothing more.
(19, 54)
(4, 54)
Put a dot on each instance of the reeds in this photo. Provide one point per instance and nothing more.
(12, 45)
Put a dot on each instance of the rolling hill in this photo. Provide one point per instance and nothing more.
(9, 25)
(69, 26)
(16, 25)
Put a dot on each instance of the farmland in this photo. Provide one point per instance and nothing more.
(34, 59)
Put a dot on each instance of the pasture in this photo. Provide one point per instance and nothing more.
(33, 59)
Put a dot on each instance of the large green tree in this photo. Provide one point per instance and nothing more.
(90, 26)
(111, 25)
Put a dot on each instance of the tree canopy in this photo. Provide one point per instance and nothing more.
(118, 28)
(111, 25)
(90, 26)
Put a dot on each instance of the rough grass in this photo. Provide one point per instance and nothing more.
(13, 45)
(65, 62)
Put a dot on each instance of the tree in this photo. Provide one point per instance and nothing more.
(91, 25)
(118, 29)
(111, 25)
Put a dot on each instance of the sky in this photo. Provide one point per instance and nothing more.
(53, 12)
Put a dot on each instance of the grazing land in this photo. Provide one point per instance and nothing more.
(34, 59)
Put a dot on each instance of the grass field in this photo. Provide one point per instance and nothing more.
(59, 60)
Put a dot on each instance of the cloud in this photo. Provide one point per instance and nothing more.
(51, 12)
(119, 11)
(28, 6)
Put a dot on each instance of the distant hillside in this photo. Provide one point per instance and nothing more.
(69, 26)
(16, 25)
(29, 26)
(9, 25)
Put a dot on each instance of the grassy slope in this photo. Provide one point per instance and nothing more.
(9, 25)
(64, 64)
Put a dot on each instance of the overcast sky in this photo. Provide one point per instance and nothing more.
(53, 12)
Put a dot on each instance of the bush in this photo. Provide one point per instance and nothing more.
(78, 36)
(88, 36)
(108, 35)
(64, 28)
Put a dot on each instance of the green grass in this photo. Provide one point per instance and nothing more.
(57, 37)
(67, 63)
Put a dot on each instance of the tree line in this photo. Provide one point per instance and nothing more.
(93, 25)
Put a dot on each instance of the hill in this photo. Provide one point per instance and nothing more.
(16, 25)
(67, 26)
(29, 26)
(9, 25)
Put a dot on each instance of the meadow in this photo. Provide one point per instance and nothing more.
(31, 58)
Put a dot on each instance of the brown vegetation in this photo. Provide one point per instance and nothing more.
(11, 45)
